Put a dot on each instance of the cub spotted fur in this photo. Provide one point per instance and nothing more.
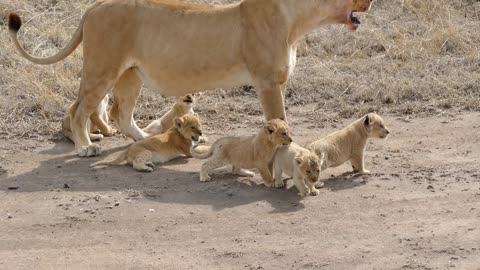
(301, 164)
(98, 121)
(246, 152)
(177, 141)
(349, 143)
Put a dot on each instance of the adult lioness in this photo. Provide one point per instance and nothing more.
(178, 48)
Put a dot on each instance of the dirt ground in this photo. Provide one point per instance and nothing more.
(420, 209)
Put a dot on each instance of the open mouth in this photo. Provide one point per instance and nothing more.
(195, 139)
(354, 21)
(188, 100)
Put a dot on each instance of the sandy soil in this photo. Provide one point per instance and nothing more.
(420, 209)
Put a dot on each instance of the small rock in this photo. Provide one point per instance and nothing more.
(9, 215)
(13, 188)
(151, 210)
(66, 186)
(116, 204)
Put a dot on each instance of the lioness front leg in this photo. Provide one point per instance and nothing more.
(271, 98)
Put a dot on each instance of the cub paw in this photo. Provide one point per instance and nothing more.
(150, 165)
(205, 178)
(89, 151)
(145, 169)
(320, 184)
(314, 192)
(279, 184)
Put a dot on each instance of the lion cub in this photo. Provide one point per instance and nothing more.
(349, 143)
(98, 121)
(245, 152)
(301, 164)
(183, 105)
(177, 141)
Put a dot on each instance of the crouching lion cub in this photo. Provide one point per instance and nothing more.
(349, 143)
(246, 152)
(97, 121)
(301, 164)
(177, 141)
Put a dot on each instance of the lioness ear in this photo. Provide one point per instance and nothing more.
(178, 121)
(367, 121)
(298, 160)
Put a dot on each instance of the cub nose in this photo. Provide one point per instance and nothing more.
(388, 132)
(201, 133)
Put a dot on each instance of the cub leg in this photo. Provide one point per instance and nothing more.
(142, 162)
(266, 176)
(242, 172)
(278, 175)
(209, 166)
(301, 186)
(358, 164)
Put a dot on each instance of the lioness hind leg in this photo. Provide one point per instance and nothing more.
(126, 92)
(142, 162)
(242, 172)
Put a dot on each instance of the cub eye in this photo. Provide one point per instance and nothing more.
(318, 170)
(308, 171)
(284, 133)
(382, 126)
(193, 128)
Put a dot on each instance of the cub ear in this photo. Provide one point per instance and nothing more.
(367, 121)
(178, 121)
(269, 128)
(298, 160)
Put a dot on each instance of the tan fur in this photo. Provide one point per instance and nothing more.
(179, 48)
(98, 122)
(301, 164)
(349, 143)
(246, 152)
(177, 141)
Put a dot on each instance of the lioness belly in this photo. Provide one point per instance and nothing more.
(177, 81)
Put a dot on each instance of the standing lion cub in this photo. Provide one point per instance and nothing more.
(301, 164)
(349, 143)
(177, 141)
(245, 152)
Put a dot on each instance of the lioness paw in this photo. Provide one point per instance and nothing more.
(89, 151)
(365, 172)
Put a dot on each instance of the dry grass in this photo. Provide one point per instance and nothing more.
(410, 57)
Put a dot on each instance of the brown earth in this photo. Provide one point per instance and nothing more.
(420, 209)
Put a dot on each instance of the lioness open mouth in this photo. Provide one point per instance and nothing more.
(354, 21)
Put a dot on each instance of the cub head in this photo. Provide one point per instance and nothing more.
(309, 166)
(278, 132)
(187, 100)
(375, 126)
(189, 126)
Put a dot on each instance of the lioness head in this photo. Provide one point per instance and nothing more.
(343, 11)
(186, 100)
(375, 126)
(278, 132)
(189, 126)
(308, 166)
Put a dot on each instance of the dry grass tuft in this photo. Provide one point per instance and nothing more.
(410, 57)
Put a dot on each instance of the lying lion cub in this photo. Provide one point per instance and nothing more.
(177, 141)
(246, 152)
(299, 163)
(98, 121)
(349, 143)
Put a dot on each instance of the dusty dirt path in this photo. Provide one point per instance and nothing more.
(419, 210)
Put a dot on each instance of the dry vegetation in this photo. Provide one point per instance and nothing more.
(410, 57)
